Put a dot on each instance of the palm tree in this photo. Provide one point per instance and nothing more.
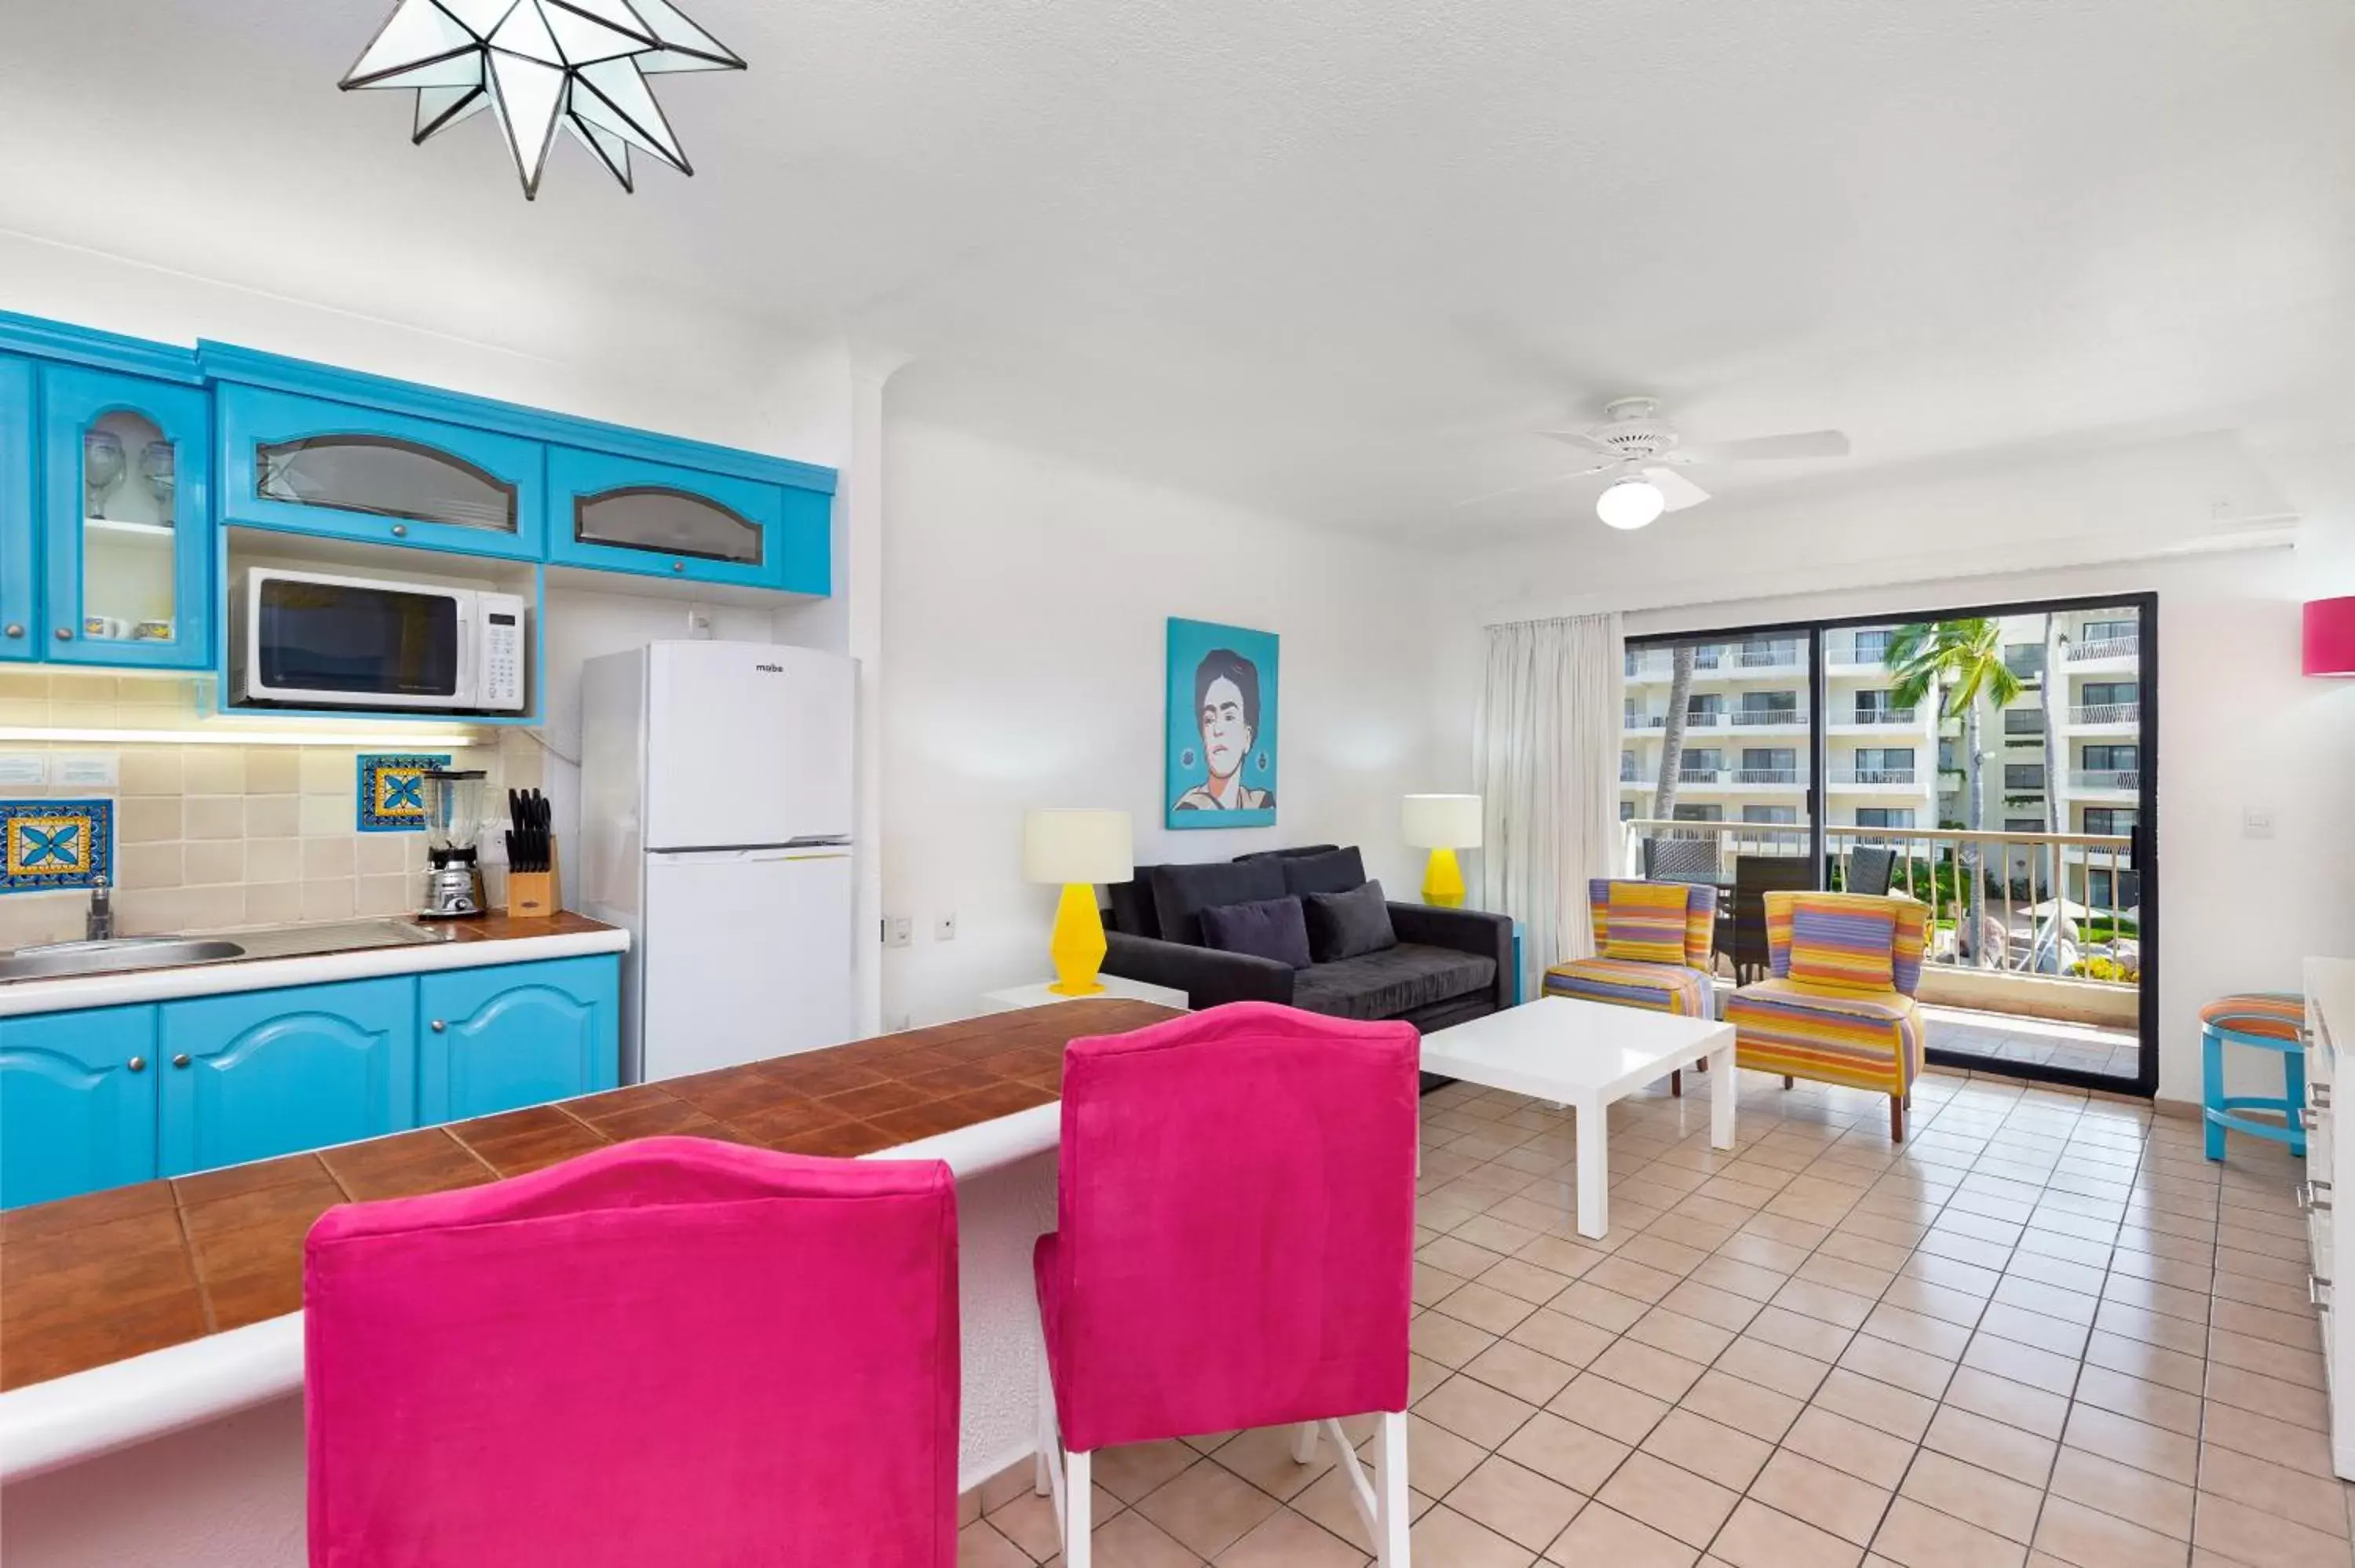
(1672, 738)
(2053, 697)
(1960, 661)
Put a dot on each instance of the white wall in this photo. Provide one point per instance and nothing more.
(2238, 726)
(1026, 602)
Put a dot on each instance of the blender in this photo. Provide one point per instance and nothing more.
(453, 820)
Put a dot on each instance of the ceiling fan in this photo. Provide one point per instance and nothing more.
(1645, 452)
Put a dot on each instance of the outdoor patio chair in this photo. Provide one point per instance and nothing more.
(1869, 870)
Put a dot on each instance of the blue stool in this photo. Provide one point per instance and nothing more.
(2271, 1021)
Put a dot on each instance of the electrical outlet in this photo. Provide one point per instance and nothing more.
(25, 768)
(895, 1022)
(898, 931)
(944, 929)
(2256, 823)
(98, 771)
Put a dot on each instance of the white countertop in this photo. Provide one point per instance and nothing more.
(70, 992)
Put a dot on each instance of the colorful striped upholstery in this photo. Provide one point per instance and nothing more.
(1701, 916)
(2267, 1014)
(1852, 1032)
(1662, 988)
(1646, 924)
(1831, 1036)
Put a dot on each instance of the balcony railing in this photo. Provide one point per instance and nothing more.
(1767, 655)
(2105, 778)
(2037, 917)
(1879, 715)
(1840, 650)
(1768, 718)
(2104, 647)
(1872, 776)
(2106, 713)
(1789, 775)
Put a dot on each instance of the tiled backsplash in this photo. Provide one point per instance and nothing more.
(211, 836)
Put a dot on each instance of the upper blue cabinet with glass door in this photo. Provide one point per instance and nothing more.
(20, 595)
(314, 465)
(629, 514)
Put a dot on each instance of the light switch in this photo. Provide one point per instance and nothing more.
(2256, 821)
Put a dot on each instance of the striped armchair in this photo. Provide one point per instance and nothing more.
(1676, 949)
(1838, 1006)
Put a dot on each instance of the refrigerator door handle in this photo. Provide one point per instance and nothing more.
(765, 852)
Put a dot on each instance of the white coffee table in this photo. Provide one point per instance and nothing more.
(1585, 1055)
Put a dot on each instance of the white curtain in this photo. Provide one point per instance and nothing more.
(1546, 765)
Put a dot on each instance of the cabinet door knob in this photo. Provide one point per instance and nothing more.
(678, 565)
(65, 633)
(181, 1060)
(138, 1064)
(437, 1026)
(401, 530)
(15, 629)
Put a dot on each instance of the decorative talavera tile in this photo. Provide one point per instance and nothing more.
(54, 843)
(392, 790)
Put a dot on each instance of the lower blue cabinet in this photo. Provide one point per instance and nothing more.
(518, 1034)
(77, 1103)
(250, 1075)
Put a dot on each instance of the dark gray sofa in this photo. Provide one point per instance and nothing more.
(1450, 964)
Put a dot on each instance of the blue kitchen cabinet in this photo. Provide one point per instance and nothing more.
(19, 502)
(258, 1074)
(126, 521)
(516, 1034)
(77, 1103)
(314, 465)
(630, 514)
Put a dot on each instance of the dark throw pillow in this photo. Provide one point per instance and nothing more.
(1334, 871)
(1348, 925)
(1270, 929)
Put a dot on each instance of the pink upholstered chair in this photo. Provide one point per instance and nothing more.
(672, 1351)
(1235, 1240)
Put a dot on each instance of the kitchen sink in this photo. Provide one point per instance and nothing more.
(61, 959)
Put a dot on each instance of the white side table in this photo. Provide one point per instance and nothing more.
(1014, 997)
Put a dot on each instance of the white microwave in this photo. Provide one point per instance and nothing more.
(315, 641)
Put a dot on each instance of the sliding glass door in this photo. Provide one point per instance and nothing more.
(1998, 764)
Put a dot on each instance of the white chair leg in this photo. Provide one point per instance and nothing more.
(1392, 1508)
(1303, 1443)
(1079, 1545)
(1042, 1474)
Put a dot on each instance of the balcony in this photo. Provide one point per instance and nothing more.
(2100, 649)
(1873, 778)
(1771, 777)
(2093, 716)
(2105, 780)
(1877, 718)
(1766, 719)
(1848, 652)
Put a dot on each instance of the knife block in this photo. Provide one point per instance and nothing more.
(532, 894)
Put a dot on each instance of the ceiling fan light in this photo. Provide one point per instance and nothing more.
(1630, 503)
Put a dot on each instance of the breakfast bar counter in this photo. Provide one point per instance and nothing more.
(133, 1313)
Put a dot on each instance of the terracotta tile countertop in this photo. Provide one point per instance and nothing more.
(90, 1280)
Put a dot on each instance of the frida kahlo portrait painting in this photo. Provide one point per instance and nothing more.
(1221, 726)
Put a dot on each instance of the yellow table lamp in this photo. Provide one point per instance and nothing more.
(1442, 824)
(1077, 849)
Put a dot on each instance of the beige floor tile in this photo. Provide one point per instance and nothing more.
(1991, 1445)
(2055, 1374)
(1646, 1369)
(2089, 1538)
(1474, 1410)
(1757, 1536)
(2249, 1535)
(1448, 1341)
(1207, 1509)
(1877, 1404)
(1666, 1330)
(1287, 1540)
(1726, 1310)
(1673, 1500)
(2130, 1442)
(1524, 1280)
(1443, 1535)
(1920, 1537)
(1728, 1457)
(1796, 1331)
(2303, 1403)
(1516, 1502)
(979, 1546)
(1486, 1307)
(1264, 1457)
(1458, 1256)
(1744, 1405)
(1787, 1372)
(1608, 1309)
(1611, 1408)
(2014, 1403)
(2283, 1443)
(1577, 1457)
(1901, 1366)
(1863, 1451)
(1995, 1503)
(2310, 1500)
(1132, 1540)
(1437, 1459)
(1824, 1303)
(1602, 1535)
(1562, 1337)
(1833, 1499)
(2152, 1501)
(1132, 1470)
(2147, 1402)
(1520, 1371)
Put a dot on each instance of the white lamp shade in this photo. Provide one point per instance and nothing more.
(1066, 846)
(1441, 821)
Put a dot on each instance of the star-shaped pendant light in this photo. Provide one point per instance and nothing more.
(581, 64)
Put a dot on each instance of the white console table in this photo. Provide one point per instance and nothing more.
(2330, 1232)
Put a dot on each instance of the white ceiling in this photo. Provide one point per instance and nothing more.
(1332, 258)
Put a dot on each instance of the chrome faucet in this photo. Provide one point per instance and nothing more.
(99, 926)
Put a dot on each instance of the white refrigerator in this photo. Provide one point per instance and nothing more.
(715, 812)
